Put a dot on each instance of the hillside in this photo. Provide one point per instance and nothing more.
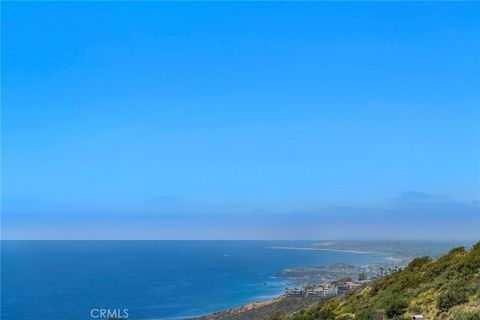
(441, 289)
(261, 311)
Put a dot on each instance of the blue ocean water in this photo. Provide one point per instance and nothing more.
(58, 280)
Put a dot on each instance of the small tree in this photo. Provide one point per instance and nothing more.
(344, 279)
(362, 276)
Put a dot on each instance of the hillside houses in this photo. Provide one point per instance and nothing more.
(327, 289)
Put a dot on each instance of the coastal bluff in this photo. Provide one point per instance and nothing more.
(263, 309)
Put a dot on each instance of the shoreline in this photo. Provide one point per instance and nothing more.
(321, 249)
(258, 305)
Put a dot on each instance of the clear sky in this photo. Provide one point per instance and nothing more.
(240, 120)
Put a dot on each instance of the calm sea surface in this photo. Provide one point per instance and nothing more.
(60, 280)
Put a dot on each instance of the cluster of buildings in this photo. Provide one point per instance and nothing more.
(324, 290)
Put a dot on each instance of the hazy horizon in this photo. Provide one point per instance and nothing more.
(164, 120)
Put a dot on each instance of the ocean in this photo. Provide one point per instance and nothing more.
(60, 280)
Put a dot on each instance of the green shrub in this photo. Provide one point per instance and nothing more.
(472, 316)
(395, 307)
(470, 265)
(344, 279)
(325, 314)
(476, 246)
(456, 251)
(418, 263)
(453, 296)
(369, 315)
(275, 316)
(364, 315)
(467, 316)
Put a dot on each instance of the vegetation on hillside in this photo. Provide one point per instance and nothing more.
(444, 289)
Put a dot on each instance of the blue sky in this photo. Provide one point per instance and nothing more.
(240, 120)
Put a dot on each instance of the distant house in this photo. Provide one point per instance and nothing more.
(343, 288)
(354, 284)
(330, 291)
(293, 292)
(417, 317)
(314, 292)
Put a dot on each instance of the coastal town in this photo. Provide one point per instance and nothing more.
(336, 279)
(310, 285)
(327, 289)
